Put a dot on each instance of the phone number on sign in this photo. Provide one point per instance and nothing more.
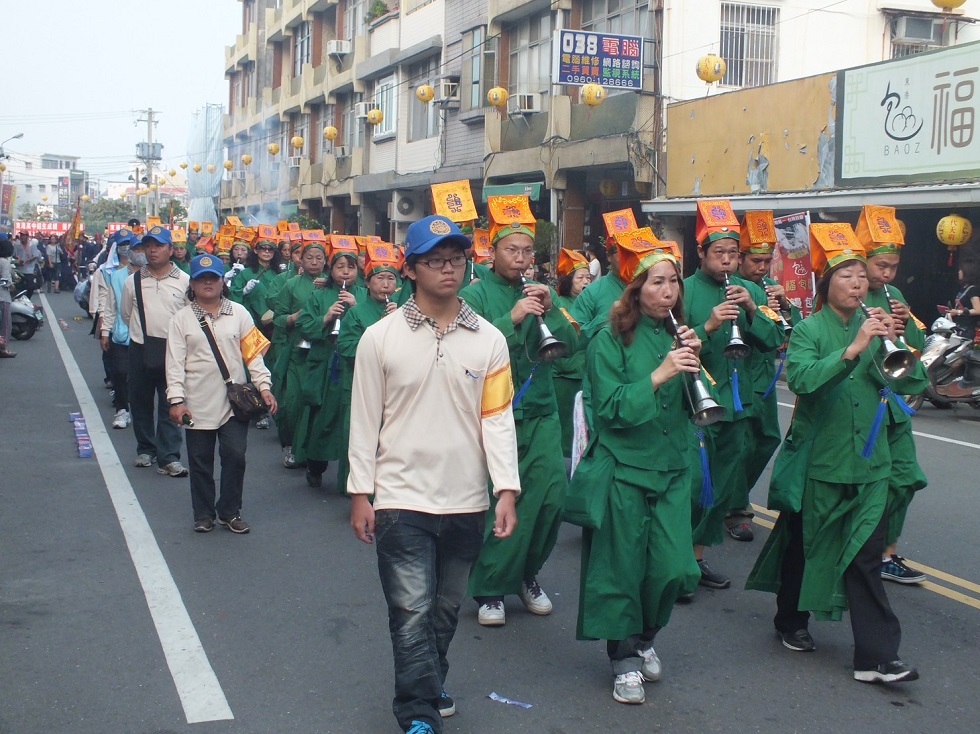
(579, 79)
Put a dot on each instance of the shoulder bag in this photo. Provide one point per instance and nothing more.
(246, 401)
(154, 347)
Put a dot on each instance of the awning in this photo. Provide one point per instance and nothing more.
(930, 196)
(531, 190)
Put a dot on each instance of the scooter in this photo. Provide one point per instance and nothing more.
(944, 357)
(25, 317)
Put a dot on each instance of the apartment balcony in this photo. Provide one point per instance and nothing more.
(245, 50)
(384, 34)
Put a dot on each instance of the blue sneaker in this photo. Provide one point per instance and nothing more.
(421, 727)
(447, 706)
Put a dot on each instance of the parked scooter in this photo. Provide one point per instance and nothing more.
(25, 317)
(944, 356)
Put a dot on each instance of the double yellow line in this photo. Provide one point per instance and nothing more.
(933, 573)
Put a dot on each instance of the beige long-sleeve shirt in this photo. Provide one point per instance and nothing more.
(162, 298)
(431, 414)
(192, 371)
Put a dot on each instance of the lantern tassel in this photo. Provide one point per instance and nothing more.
(869, 445)
(707, 499)
(736, 397)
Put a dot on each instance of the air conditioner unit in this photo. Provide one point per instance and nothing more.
(911, 29)
(406, 206)
(338, 48)
(361, 110)
(294, 161)
(447, 93)
(528, 102)
(340, 151)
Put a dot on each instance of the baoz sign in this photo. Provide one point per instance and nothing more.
(910, 120)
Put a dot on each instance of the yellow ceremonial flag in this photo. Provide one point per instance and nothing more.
(152, 222)
(254, 343)
(454, 200)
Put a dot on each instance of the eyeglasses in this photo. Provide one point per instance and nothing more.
(438, 263)
(523, 252)
(265, 248)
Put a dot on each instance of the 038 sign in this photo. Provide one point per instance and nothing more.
(582, 57)
(914, 119)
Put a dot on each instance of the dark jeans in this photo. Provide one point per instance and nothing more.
(624, 654)
(232, 440)
(144, 385)
(424, 562)
(118, 355)
(876, 630)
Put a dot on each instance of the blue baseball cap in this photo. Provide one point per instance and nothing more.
(123, 237)
(431, 232)
(159, 234)
(204, 264)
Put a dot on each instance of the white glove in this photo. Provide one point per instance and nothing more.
(238, 267)
(249, 286)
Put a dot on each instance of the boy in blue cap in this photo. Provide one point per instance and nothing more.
(431, 417)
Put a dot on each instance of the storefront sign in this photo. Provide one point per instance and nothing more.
(581, 57)
(911, 120)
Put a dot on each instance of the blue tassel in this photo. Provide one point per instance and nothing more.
(707, 489)
(335, 367)
(869, 447)
(775, 378)
(524, 387)
(902, 405)
(736, 398)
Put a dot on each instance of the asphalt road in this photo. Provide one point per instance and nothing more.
(285, 629)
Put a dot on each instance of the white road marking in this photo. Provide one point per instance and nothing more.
(197, 685)
(934, 437)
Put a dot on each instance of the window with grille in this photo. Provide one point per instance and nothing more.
(530, 54)
(384, 100)
(301, 47)
(479, 65)
(749, 44)
(423, 122)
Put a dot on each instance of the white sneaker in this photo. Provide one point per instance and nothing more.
(628, 688)
(492, 613)
(122, 419)
(534, 598)
(651, 668)
(173, 469)
(288, 460)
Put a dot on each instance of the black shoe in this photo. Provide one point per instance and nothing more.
(204, 525)
(895, 569)
(313, 479)
(712, 580)
(799, 641)
(742, 531)
(892, 672)
(447, 706)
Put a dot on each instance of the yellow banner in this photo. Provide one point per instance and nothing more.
(454, 200)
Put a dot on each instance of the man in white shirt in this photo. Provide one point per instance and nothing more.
(431, 417)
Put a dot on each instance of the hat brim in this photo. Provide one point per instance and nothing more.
(208, 271)
(459, 240)
(151, 238)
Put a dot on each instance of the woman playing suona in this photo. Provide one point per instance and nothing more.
(638, 561)
(319, 438)
(824, 554)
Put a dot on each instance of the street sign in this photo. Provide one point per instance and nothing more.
(583, 57)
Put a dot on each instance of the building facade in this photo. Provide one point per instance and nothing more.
(48, 185)
(302, 66)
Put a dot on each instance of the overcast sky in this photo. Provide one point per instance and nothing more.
(76, 72)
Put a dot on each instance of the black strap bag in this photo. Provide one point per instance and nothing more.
(246, 400)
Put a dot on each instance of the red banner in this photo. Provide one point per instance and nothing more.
(44, 228)
(791, 260)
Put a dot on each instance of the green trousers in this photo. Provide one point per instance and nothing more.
(640, 561)
(504, 564)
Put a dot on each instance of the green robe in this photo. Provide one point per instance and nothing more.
(725, 440)
(183, 265)
(906, 477)
(279, 331)
(367, 312)
(568, 374)
(504, 565)
(474, 271)
(845, 494)
(290, 366)
(256, 299)
(639, 562)
(325, 388)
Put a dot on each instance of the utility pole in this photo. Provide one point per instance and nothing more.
(148, 154)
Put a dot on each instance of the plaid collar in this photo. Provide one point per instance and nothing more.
(466, 317)
(224, 309)
(174, 272)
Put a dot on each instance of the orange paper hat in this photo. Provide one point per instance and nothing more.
(180, 236)
(716, 220)
(879, 231)
(633, 248)
(454, 201)
(634, 264)
(313, 235)
(482, 252)
(758, 234)
(341, 246)
(205, 244)
(509, 214)
(312, 238)
(234, 221)
(569, 261)
(193, 227)
(225, 243)
(363, 242)
(207, 228)
(381, 256)
(282, 225)
(616, 223)
(246, 235)
(265, 233)
(832, 244)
